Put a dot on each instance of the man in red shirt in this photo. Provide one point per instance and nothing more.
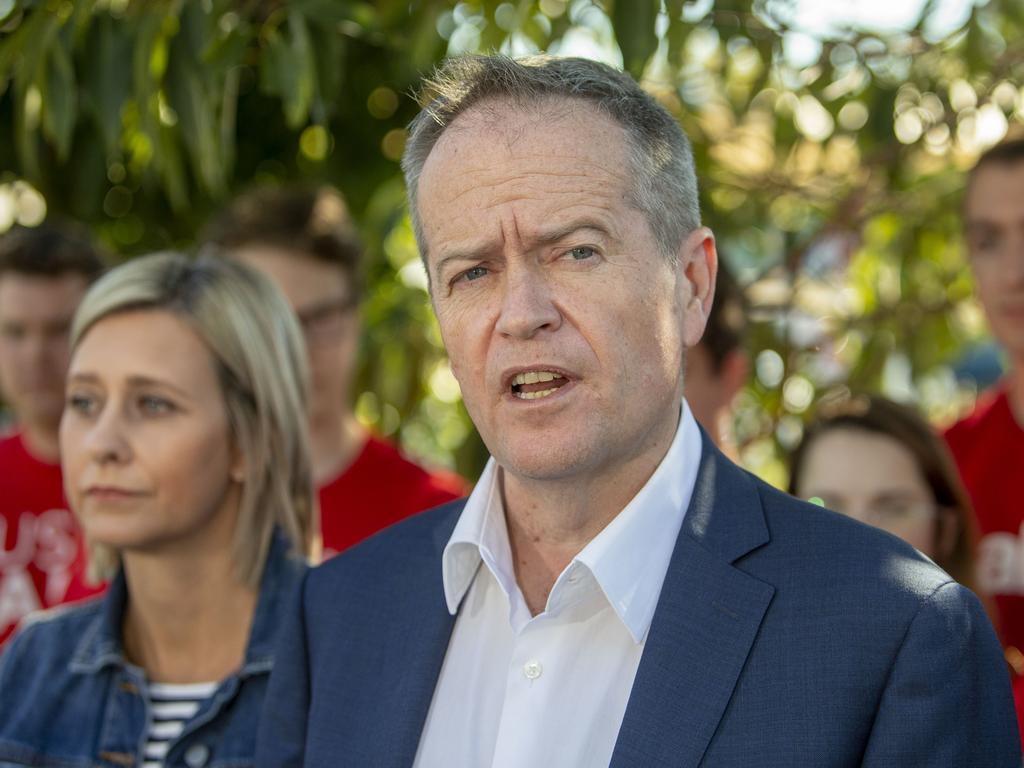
(44, 272)
(304, 239)
(989, 444)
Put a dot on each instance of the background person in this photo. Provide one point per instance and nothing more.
(880, 463)
(989, 443)
(303, 238)
(185, 458)
(44, 272)
(717, 366)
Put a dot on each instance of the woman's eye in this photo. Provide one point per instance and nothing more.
(155, 405)
(82, 404)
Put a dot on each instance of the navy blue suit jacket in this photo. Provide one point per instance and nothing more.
(785, 635)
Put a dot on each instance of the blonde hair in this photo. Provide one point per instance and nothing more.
(257, 347)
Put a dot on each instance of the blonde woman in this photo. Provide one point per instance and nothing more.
(185, 458)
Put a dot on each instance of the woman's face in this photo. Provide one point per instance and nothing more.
(874, 479)
(146, 450)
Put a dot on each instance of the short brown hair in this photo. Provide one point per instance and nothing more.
(879, 416)
(306, 219)
(1007, 152)
(50, 250)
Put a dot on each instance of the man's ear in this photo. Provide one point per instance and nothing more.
(698, 266)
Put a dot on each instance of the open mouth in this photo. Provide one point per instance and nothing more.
(534, 385)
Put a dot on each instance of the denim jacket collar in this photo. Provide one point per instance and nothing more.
(101, 644)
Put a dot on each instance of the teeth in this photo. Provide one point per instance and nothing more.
(535, 395)
(534, 377)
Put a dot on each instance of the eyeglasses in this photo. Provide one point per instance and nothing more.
(886, 511)
(325, 321)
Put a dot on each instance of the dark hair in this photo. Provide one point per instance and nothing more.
(310, 220)
(907, 427)
(665, 188)
(50, 250)
(727, 322)
(1007, 152)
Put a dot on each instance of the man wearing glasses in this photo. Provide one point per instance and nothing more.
(303, 238)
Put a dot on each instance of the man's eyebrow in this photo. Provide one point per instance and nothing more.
(472, 253)
(542, 237)
(561, 231)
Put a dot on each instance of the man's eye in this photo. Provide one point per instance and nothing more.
(474, 273)
(581, 252)
(985, 241)
(12, 332)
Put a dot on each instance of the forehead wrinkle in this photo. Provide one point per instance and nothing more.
(486, 177)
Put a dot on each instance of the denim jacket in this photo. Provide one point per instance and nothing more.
(69, 699)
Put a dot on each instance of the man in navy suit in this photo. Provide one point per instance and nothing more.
(614, 591)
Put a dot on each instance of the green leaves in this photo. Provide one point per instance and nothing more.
(107, 81)
(634, 29)
(191, 95)
(288, 68)
(59, 99)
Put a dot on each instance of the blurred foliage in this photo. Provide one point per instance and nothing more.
(831, 162)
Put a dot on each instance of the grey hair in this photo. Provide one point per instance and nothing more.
(660, 154)
(257, 348)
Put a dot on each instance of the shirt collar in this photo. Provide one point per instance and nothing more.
(480, 535)
(628, 559)
(101, 643)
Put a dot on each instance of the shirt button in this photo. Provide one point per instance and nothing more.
(532, 670)
(197, 756)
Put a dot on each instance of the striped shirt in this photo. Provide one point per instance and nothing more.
(172, 706)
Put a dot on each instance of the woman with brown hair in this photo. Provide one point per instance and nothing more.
(880, 462)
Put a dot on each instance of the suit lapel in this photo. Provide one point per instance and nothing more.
(704, 627)
(412, 687)
(405, 662)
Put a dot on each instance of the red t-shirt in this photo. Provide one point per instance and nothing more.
(378, 489)
(988, 447)
(41, 558)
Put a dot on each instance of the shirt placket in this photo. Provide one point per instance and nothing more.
(124, 721)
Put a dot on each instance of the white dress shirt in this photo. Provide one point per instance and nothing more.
(521, 691)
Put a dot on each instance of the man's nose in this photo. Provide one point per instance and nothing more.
(528, 304)
(35, 349)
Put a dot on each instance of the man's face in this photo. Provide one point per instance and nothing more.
(321, 296)
(994, 223)
(35, 318)
(564, 321)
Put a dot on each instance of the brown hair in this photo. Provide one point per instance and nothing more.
(309, 220)
(906, 426)
(50, 250)
(1007, 152)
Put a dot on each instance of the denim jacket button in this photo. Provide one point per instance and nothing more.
(197, 756)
